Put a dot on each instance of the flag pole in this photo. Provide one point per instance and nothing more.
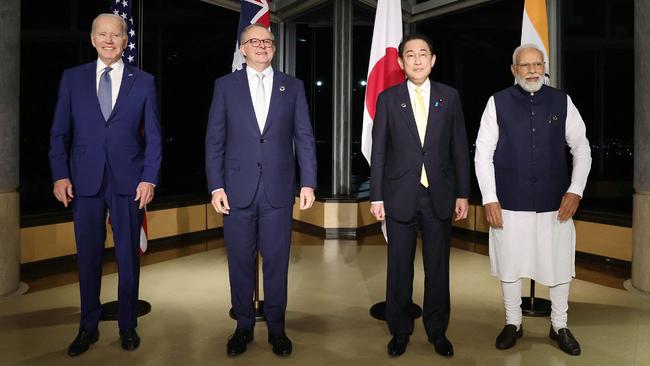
(110, 309)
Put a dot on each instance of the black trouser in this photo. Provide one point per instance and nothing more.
(402, 238)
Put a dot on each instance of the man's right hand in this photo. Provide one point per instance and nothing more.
(493, 215)
(63, 191)
(220, 202)
(377, 210)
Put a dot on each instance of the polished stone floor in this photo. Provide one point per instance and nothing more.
(332, 284)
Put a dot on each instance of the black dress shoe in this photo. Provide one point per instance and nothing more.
(130, 339)
(397, 345)
(238, 341)
(281, 344)
(81, 343)
(565, 340)
(508, 336)
(442, 346)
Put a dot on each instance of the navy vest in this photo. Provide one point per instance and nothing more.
(530, 158)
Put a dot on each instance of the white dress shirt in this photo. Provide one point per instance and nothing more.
(116, 77)
(253, 83)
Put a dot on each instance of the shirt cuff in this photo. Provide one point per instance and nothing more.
(490, 198)
(576, 189)
(376, 202)
(216, 190)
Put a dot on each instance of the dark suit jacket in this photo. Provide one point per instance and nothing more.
(397, 155)
(82, 143)
(237, 154)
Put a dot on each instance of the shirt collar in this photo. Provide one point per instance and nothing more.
(424, 87)
(117, 66)
(251, 73)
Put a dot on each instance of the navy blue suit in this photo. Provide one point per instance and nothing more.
(395, 169)
(257, 172)
(105, 161)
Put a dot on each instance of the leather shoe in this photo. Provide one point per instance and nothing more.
(282, 345)
(565, 340)
(81, 343)
(397, 345)
(238, 341)
(508, 336)
(130, 339)
(442, 345)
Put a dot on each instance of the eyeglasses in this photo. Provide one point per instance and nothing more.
(258, 42)
(104, 35)
(534, 65)
(411, 57)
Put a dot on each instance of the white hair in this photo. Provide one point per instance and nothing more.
(525, 47)
(125, 29)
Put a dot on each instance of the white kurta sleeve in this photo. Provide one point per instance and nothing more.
(486, 143)
(580, 150)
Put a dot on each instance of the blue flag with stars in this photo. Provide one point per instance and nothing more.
(123, 9)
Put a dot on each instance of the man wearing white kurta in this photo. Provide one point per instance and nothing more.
(529, 193)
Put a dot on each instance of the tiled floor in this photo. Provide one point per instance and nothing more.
(332, 284)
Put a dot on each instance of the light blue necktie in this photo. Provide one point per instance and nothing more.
(105, 94)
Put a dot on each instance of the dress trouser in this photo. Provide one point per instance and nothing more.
(402, 238)
(89, 216)
(262, 227)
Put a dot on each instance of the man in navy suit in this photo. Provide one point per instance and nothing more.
(258, 124)
(419, 179)
(105, 153)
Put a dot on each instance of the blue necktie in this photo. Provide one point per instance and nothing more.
(105, 94)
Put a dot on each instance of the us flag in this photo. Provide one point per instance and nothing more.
(130, 56)
(251, 12)
(123, 9)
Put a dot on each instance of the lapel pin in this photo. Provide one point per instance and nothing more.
(438, 103)
(282, 88)
(403, 105)
(130, 74)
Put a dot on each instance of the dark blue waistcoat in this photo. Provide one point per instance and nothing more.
(530, 158)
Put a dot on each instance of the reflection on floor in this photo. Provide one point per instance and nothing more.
(332, 285)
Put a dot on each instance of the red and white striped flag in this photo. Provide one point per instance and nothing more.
(534, 28)
(383, 68)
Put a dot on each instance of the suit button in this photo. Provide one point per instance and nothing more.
(533, 113)
(262, 141)
(533, 130)
(534, 180)
(424, 153)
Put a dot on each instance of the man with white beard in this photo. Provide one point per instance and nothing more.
(529, 193)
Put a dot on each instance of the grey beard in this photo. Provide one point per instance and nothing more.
(530, 87)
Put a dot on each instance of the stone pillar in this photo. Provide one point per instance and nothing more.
(9, 143)
(640, 282)
(341, 151)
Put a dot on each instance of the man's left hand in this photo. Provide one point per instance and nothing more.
(144, 193)
(568, 207)
(307, 197)
(462, 206)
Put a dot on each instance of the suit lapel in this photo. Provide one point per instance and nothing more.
(277, 89)
(404, 100)
(90, 83)
(242, 80)
(436, 111)
(128, 77)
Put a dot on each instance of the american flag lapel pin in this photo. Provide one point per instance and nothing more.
(282, 88)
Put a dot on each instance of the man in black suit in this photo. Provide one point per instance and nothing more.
(419, 179)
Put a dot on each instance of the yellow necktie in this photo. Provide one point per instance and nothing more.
(421, 122)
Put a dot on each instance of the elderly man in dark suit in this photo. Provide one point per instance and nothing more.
(419, 180)
(105, 153)
(258, 124)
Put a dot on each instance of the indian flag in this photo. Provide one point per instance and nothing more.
(534, 27)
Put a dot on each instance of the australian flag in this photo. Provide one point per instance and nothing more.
(252, 11)
(123, 9)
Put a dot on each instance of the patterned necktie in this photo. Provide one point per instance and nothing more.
(260, 102)
(105, 94)
(421, 122)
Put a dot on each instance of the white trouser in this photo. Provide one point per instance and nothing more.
(559, 295)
